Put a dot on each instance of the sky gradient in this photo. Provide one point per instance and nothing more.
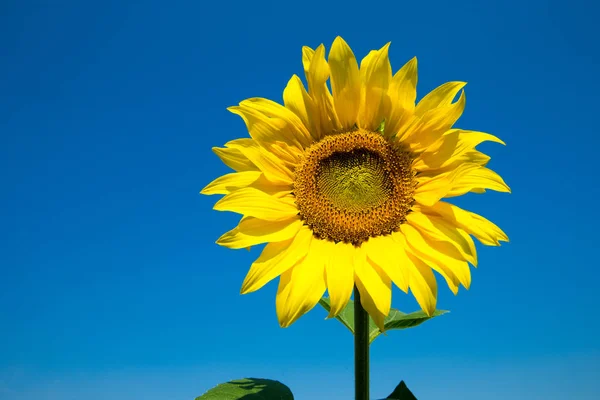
(111, 285)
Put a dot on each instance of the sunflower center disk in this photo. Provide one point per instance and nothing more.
(354, 181)
(353, 186)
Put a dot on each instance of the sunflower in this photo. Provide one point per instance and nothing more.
(345, 186)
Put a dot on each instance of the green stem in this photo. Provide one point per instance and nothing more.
(361, 349)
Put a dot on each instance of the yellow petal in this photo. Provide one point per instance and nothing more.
(231, 182)
(376, 74)
(307, 56)
(404, 85)
(294, 127)
(474, 157)
(255, 179)
(316, 69)
(264, 129)
(375, 289)
(252, 231)
(386, 253)
(477, 178)
(484, 230)
(403, 93)
(422, 281)
(317, 73)
(273, 168)
(275, 259)
(441, 230)
(297, 99)
(431, 189)
(234, 159)
(283, 291)
(470, 157)
(307, 284)
(340, 275)
(288, 156)
(439, 97)
(437, 254)
(433, 124)
(254, 203)
(451, 147)
(275, 190)
(345, 82)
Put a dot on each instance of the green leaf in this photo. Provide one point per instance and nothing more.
(395, 320)
(401, 393)
(249, 389)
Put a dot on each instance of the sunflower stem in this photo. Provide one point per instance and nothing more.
(361, 349)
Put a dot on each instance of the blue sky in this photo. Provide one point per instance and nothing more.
(111, 286)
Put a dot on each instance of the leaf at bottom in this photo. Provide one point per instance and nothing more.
(401, 393)
(249, 389)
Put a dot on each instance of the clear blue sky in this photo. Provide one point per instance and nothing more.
(111, 286)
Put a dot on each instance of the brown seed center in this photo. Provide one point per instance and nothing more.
(353, 186)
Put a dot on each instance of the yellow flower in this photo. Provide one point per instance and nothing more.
(346, 186)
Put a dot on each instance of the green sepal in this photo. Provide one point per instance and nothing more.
(381, 127)
(395, 320)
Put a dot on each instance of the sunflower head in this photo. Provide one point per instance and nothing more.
(346, 186)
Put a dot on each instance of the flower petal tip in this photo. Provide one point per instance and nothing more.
(337, 39)
(380, 326)
(386, 48)
(284, 324)
(429, 311)
(245, 289)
